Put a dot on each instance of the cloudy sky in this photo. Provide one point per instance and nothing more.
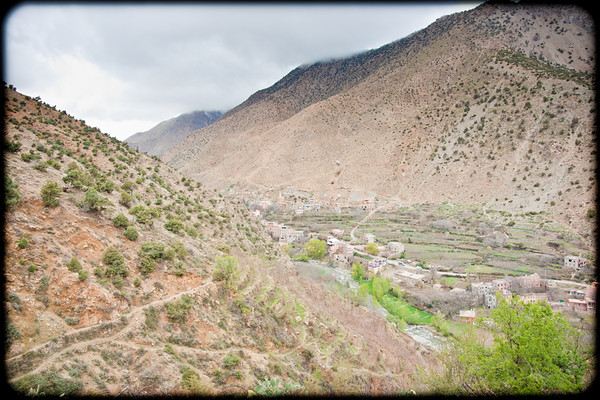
(125, 68)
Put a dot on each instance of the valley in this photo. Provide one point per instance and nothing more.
(361, 227)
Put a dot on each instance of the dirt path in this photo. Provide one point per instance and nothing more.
(135, 317)
(373, 211)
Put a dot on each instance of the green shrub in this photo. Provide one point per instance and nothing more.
(174, 225)
(12, 147)
(53, 164)
(30, 156)
(50, 193)
(105, 185)
(23, 243)
(147, 265)
(40, 166)
(153, 250)
(125, 199)
(74, 265)
(131, 233)
(48, 383)
(11, 193)
(177, 310)
(121, 221)
(272, 387)
(115, 262)
(75, 177)
(93, 201)
(231, 360)
(82, 275)
(226, 270)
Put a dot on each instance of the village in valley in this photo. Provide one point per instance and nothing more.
(559, 273)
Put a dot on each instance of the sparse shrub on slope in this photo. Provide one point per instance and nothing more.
(93, 201)
(115, 263)
(11, 192)
(50, 193)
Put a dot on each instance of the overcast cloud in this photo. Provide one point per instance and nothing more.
(125, 68)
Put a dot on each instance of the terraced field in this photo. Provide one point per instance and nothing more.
(460, 238)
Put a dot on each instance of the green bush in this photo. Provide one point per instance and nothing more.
(174, 225)
(82, 275)
(93, 201)
(316, 248)
(74, 265)
(272, 387)
(153, 250)
(50, 193)
(48, 383)
(105, 185)
(131, 233)
(11, 192)
(23, 243)
(75, 177)
(121, 221)
(12, 147)
(125, 199)
(115, 262)
(147, 265)
(226, 270)
(231, 360)
(177, 310)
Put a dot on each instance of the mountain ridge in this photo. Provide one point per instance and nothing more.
(460, 93)
(159, 139)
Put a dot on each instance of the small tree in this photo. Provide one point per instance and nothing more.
(372, 248)
(50, 193)
(358, 271)
(535, 351)
(93, 201)
(316, 248)
(226, 271)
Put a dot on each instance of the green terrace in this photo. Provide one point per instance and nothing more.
(458, 236)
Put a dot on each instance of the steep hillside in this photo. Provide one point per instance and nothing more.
(165, 135)
(494, 105)
(124, 277)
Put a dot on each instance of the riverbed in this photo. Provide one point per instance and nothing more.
(329, 274)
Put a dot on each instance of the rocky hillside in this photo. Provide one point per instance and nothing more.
(494, 105)
(165, 135)
(123, 276)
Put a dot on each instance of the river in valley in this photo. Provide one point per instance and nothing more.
(330, 275)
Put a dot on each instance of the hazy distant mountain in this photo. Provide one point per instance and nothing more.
(165, 135)
(494, 105)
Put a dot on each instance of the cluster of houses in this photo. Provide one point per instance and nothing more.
(283, 233)
(299, 201)
(339, 251)
(531, 288)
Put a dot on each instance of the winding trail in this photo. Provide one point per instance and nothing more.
(135, 317)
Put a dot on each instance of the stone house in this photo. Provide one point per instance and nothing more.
(467, 316)
(534, 297)
(395, 247)
(369, 238)
(575, 262)
(502, 284)
(377, 264)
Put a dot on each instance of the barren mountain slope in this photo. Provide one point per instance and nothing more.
(92, 309)
(165, 135)
(494, 105)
